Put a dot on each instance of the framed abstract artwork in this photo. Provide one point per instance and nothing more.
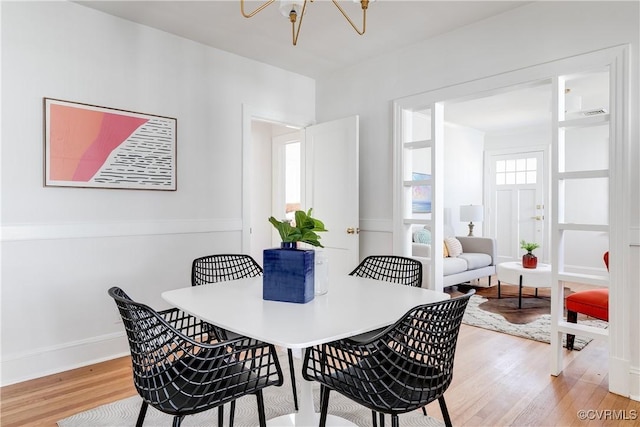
(421, 194)
(98, 147)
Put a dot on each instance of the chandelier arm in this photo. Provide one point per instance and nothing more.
(295, 33)
(365, 4)
(260, 8)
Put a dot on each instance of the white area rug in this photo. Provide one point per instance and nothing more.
(538, 330)
(278, 401)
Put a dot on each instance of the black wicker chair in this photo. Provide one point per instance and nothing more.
(405, 367)
(177, 370)
(390, 268)
(223, 267)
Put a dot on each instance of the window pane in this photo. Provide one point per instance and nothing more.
(500, 166)
(500, 180)
(420, 162)
(511, 166)
(586, 149)
(416, 126)
(292, 178)
(521, 178)
(586, 201)
(521, 164)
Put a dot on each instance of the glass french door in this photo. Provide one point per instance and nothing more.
(580, 197)
(419, 197)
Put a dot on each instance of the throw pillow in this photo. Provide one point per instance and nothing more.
(422, 236)
(454, 247)
(445, 252)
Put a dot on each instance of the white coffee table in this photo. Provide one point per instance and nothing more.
(514, 273)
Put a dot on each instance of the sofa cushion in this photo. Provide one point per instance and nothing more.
(454, 247)
(453, 266)
(476, 260)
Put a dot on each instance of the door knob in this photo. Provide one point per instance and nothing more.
(538, 218)
(352, 230)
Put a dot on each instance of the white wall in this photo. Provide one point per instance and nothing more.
(530, 35)
(463, 172)
(537, 33)
(62, 248)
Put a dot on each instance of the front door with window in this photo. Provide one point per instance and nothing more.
(516, 201)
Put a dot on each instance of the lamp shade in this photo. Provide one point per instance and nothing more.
(471, 213)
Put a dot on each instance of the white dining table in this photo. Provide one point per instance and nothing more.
(353, 305)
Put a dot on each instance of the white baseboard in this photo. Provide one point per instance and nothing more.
(634, 384)
(619, 376)
(52, 360)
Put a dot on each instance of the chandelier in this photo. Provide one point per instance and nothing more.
(292, 8)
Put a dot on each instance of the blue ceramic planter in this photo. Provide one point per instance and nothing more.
(288, 275)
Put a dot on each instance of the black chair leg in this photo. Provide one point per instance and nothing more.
(395, 422)
(445, 412)
(293, 378)
(262, 419)
(572, 317)
(324, 405)
(142, 414)
(177, 420)
(221, 416)
(232, 413)
(374, 418)
(381, 419)
(424, 410)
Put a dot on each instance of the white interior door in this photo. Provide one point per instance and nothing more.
(332, 188)
(516, 200)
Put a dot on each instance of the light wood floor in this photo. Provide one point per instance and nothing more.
(499, 380)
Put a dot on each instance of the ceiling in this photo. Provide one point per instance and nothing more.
(327, 42)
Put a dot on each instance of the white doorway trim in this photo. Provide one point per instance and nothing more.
(249, 114)
(624, 373)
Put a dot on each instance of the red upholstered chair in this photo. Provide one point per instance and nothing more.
(592, 302)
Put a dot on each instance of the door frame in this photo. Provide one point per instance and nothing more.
(617, 58)
(249, 114)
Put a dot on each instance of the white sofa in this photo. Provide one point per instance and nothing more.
(477, 260)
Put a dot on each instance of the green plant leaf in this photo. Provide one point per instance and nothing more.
(529, 246)
(305, 228)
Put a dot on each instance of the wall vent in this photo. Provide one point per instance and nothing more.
(594, 112)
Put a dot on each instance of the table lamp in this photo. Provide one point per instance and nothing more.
(471, 213)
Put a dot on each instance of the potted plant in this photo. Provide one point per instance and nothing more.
(529, 260)
(289, 271)
(304, 230)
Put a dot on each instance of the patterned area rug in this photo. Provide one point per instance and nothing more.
(278, 401)
(538, 328)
